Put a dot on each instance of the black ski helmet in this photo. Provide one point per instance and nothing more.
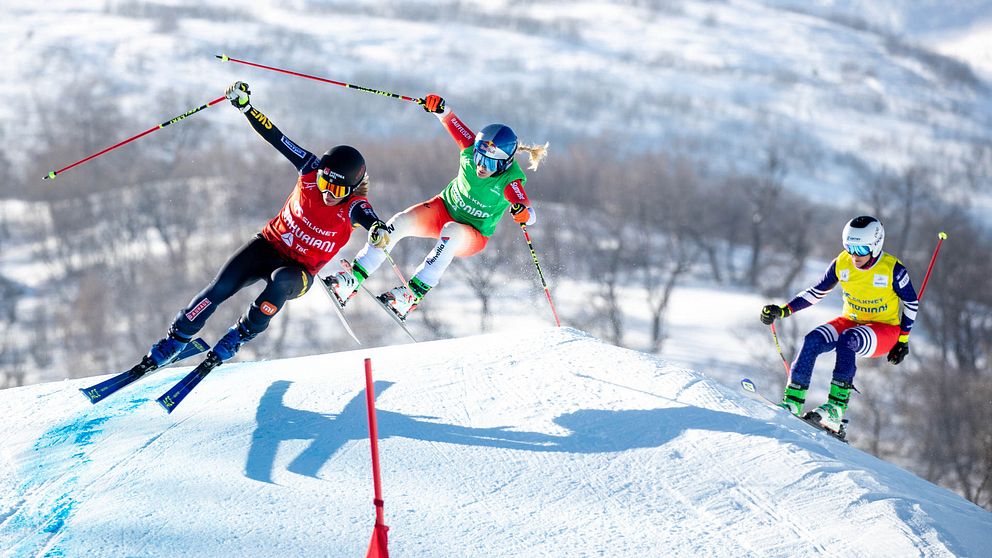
(342, 167)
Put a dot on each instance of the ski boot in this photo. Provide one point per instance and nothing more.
(343, 285)
(402, 300)
(794, 398)
(228, 346)
(165, 350)
(830, 415)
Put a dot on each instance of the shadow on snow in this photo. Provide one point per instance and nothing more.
(591, 430)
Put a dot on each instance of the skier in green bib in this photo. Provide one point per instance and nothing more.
(462, 217)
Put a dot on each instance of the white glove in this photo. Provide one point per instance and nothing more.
(239, 95)
(379, 235)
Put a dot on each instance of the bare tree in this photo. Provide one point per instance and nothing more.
(950, 413)
(764, 194)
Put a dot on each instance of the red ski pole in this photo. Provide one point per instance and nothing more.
(540, 273)
(51, 175)
(941, 236)
(785, 363)
(227, 58)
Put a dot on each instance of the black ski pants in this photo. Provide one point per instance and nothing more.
(255, 261)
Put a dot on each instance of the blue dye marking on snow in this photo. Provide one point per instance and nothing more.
(62, 450)
(135, 403)
(82, 433)
(59, 513)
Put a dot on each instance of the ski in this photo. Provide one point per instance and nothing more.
(385, 306)
(99, 392)
(338, 307)
(172, 398)
(381, 301)
(748, 386)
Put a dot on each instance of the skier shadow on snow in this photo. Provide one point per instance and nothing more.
(591, 430)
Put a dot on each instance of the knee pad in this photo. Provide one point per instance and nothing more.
(858, 340)
(294, 282)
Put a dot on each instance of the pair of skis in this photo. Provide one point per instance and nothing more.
(171, 398)
(380, 300)
(175, 395)
(748, 386)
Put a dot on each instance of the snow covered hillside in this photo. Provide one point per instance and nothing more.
(542, 442)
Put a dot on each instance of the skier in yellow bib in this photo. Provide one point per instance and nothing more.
(880, 307)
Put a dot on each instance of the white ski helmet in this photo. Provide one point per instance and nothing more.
(864, 235)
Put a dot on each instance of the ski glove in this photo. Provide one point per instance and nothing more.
(772, 311)
(379, 234)
(434, 103)
(238, 94)
(523, 214)
(900, 350)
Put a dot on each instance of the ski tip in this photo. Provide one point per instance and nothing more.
(747, 384)
(92, 399)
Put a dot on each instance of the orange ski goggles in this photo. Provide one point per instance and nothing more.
(325, 183)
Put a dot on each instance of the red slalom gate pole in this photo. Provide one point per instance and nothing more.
(378, 546)
(52, 174)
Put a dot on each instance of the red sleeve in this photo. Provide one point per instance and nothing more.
(462, 135)
(514, 192)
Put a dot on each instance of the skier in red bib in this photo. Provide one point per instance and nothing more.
(880, 307)
(462, 217)
(326, 203)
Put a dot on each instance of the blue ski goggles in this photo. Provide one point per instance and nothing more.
(488, 163)
(857, 249)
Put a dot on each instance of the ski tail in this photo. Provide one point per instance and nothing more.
(99, 392)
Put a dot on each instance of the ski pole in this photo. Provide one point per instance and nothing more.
(941, 236)
(537, 264)
(785, 363)
(396, 270)
(51, 175)
(227, 58)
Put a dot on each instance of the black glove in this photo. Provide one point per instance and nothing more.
(379, 234)
(772, 311)
(434, 103)
(899, 351)
(239, 95)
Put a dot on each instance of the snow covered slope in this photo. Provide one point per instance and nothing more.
(538, 443)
